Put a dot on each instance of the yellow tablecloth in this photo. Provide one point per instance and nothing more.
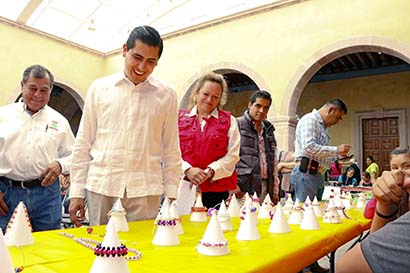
(289, 252)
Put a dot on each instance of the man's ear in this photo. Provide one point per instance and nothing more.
(124, 50)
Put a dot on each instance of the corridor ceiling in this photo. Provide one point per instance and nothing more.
(104, 25)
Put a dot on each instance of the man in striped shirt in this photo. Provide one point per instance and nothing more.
(313, 153)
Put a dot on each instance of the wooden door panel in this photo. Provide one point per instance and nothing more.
(380, 137)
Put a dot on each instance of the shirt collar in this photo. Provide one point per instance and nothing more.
(194, 112)
(24, 107)
(120, 76)
(318, 116)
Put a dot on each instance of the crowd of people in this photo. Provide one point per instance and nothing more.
(134, 144)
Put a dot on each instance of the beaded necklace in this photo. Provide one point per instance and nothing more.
(102, 251)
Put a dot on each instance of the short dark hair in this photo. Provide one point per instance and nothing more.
(37, 71)
(338, 103)
(367, 175)
(146, 34)
(370, 157)
(260, 94)
(399, 151)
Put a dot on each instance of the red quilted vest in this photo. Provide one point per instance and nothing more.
(202, 148)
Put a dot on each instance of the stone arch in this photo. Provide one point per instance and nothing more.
(330, 53)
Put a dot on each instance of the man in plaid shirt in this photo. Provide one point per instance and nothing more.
(313, 153)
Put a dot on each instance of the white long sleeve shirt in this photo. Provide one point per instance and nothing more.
(127, 140)
(28, 143)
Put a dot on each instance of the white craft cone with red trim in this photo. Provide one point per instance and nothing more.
(6, 264)
(309, 221)
(224, 218)
(361, 201)
(316, 207)
(233, 208)
(173, 212)
(198, 210)
(166, 234)
(119, 216)
(106, 262)
(255, 200)
(288, 205)
(279, 223)
(248, 229)
(266, 208)
(213, 243)
(18, 232)
(296, 214)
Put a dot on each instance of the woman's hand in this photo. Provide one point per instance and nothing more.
(196, 175)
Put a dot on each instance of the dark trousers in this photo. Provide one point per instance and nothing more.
(213, 199)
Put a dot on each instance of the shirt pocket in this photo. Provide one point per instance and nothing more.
(219, 142)
(186, 143)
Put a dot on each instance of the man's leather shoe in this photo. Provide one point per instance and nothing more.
(316, 268)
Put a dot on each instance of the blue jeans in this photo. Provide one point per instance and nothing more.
(43, 205)
(306, 184)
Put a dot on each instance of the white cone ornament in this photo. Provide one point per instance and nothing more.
(309, 221)
(347, 200)
(331, 216)
(18, 232)
(198, 211)
(266, 208)
(213, 243)
(296, 214)
(106, 262)
(233, 207)
(224, 218)
(166, 233)
(119, 217)
(307, 203)
(316, 207)
(338, 200)
(6, 264)
(256, 201)
(279, 222)
(173, 212)
(361, 201)
(288, 205)
(247, 229)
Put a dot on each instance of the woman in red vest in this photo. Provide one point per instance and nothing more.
(209, 140)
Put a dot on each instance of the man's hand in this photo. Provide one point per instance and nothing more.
(50, 175)
(4, 209)
(196, 175)
(388, 189)
(76, 210)
(343, 150)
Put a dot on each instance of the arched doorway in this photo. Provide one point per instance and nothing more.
(376, 123)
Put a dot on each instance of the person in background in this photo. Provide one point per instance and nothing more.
(335, 170)
(209, 140)
(347, 178)
(285, 167)
(366, 180)
(35, 148)
(387, 248)
(372, 168)
(257, 168)
(313, 153)
(356, 168)
(127, 143)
